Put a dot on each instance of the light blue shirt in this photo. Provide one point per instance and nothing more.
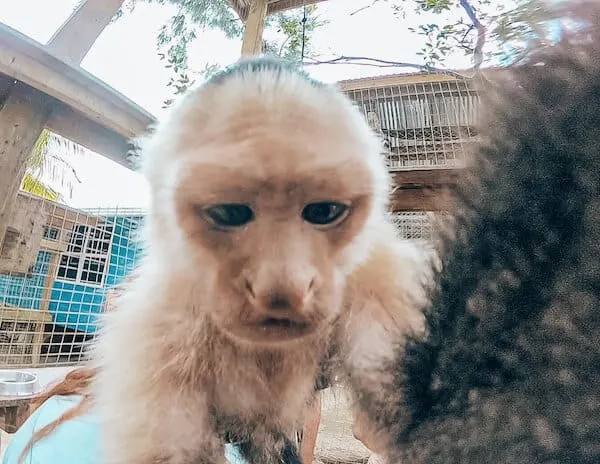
(73, 442)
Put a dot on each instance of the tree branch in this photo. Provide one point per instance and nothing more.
(362, 8)
(287, 39)
(67, 165)
(478, 50)
(379, 63)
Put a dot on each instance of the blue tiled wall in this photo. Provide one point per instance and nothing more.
(73, 305)
(26, 292)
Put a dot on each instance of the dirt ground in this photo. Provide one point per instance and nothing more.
(335, 442)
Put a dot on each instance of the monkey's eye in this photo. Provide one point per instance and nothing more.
(325, 213)
(229, 215)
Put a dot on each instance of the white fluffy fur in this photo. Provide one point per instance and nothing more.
(164, 373)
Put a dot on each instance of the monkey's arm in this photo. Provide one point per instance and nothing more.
(388, 294)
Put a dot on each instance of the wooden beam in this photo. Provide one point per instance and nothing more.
(90, 134)
(423, 189)
(274, 6)
(73, 40)
(13, 313)
(426, 177)
(378, 82)
(421, 199)
(38, 339)
(6, 84)
(53, 246)
(25, 60)
(255, 24)
(26, 111)
(22, 119)
(283, 5)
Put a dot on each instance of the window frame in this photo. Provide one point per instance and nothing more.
(86, 256)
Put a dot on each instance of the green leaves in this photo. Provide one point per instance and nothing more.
(524, 27)
(186, 79)
(182, 29)
(291, 38)
(435, 6)
(507, 33)
(47, 165)
(289, 34)
(36, 187)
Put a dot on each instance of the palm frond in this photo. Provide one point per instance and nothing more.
(36, 158)
(48, 164)
(32, 185)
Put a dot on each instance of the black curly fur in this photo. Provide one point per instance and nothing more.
(511, 370)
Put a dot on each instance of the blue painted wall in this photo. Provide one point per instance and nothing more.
(26, 292)
(73, 305)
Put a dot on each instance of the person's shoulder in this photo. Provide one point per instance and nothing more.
(22, 436)
(59, 447)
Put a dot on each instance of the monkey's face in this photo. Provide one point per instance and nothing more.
(274, 205)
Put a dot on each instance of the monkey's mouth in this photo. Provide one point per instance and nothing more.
(274, 330)
(272, 322)
(283, 328)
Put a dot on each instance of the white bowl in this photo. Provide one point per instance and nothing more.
(15, 383)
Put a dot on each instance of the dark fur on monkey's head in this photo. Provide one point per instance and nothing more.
(255, 65)
(511, 370)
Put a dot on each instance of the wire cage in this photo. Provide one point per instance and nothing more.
(425, 120)
(60, 275)
(56, 278)
(59, 266)
(416, 225)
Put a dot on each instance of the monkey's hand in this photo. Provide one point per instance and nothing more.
(378, 400)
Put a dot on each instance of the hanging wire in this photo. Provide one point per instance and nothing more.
(304, 20)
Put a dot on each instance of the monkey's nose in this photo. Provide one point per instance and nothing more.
(280, 299)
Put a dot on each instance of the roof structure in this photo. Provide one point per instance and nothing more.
(86, 110)
(275, 6)
(394, 79)
(418, 77)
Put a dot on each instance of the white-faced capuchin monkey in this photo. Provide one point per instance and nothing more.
(510, 370)
(267, 247)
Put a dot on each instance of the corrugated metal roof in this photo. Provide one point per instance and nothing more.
(383, 80)
(394, 79)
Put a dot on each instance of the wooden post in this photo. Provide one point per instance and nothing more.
(73, 40)
(25, 112)
(38, 340)
(22, 119)
(255, 24)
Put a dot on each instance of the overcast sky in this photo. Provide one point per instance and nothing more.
(125, 57)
